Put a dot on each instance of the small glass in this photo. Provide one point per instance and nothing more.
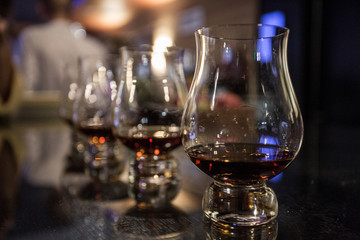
(242, 124)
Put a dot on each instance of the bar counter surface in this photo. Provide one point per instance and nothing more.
(318, 198)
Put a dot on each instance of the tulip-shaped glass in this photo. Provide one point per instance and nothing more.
(92, 116)
(147, 116)
(242, 124)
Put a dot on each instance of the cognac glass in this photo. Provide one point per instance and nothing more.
(92, 116)
(147, 116)
(242, 124)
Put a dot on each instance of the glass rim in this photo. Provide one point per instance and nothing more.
(201, 31)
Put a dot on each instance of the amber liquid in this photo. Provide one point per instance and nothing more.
(97, 131)
(151, 144)
(241, 162)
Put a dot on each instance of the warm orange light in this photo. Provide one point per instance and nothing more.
(156, 151)
(101, 140)
(95, 139)
(151, 3)
(103, 15)
(139, 154)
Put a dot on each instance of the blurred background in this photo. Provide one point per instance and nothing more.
(322, 50)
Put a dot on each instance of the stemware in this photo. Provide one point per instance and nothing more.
(242, 124)
(147, 116)
(103, 156)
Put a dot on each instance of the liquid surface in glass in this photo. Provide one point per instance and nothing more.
(241, 162)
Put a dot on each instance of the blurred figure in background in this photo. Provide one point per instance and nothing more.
(10, 144)
(10, 87)
(46, 48)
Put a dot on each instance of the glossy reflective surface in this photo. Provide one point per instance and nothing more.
(317, 198)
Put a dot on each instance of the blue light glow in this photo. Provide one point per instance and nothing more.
(277, 178)
(76, 3)
(270, 152)
(276, 18)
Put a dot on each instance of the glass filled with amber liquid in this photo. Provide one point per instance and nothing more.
(103, 156)
(146, 118)
(242, 124)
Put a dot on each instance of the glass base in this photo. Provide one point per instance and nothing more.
(153, 181)
(239, 205)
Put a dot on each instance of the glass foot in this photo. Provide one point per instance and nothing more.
(153, 181)
(239, 205)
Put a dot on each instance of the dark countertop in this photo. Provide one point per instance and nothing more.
(318, 196)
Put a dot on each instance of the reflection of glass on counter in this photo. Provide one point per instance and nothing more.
(162, 223)
(104, 158)
(75, 157)
(267, 231)
(96, 173)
